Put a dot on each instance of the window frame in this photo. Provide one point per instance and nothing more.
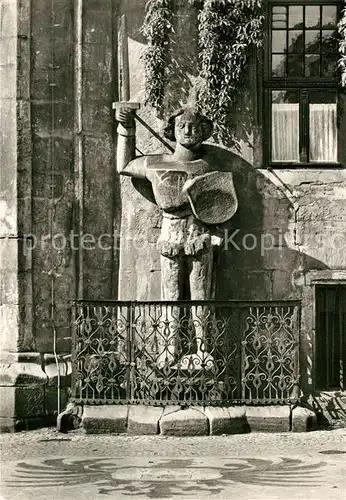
(322, 357)
(304, 85)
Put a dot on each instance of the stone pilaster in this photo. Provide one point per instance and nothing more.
(21, 376)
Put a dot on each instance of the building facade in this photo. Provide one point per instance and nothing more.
(70, 228)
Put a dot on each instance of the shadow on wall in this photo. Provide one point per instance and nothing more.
(259, 260)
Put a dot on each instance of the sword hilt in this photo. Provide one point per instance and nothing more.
(126, 104)
(134, 106)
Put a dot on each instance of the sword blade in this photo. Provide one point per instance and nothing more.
(123, 61)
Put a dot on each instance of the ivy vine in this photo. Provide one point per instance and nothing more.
(342, 47)
(157, 28)
(228, 32)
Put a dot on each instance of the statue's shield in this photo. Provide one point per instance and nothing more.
(212, 197)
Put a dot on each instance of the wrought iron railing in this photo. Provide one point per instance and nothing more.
(184, 353)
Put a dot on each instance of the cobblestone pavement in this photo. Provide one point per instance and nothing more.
(42, 464)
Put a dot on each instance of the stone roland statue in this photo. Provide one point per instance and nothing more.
(194, 197)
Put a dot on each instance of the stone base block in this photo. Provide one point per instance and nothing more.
(193, 421)
(231, 420)
(28, 389)
(303, 419)
(8, 424)
(144, 420)
(70, 418)
(22, 383)
(105, 419)
(219, 420)
(188, 422)
(21, 369)
(22, 402)
(238, 420)
(60, 367)
(268, 418)
(26, 424)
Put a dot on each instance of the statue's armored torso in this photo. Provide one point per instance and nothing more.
(190, 194)
(188, 187)
(168, 178)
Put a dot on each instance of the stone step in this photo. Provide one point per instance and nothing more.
(195, 420)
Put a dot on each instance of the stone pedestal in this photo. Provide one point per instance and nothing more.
(22, 391)
(31, 390)
(186, 422)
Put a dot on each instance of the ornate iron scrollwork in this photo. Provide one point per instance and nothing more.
(185, 352)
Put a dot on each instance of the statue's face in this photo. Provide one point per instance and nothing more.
(188, 130)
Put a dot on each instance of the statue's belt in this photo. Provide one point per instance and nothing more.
(186, 215)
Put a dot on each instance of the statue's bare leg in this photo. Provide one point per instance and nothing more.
(171, 276)
(201, 269)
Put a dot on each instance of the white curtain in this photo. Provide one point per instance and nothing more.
(285, 132)
(323, 133)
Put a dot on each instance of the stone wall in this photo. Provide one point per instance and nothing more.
(58, 73)
(72, 89)
(58, 183)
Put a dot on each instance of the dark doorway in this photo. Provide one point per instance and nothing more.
(330, 337)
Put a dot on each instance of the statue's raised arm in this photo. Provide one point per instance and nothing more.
(127, 163)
